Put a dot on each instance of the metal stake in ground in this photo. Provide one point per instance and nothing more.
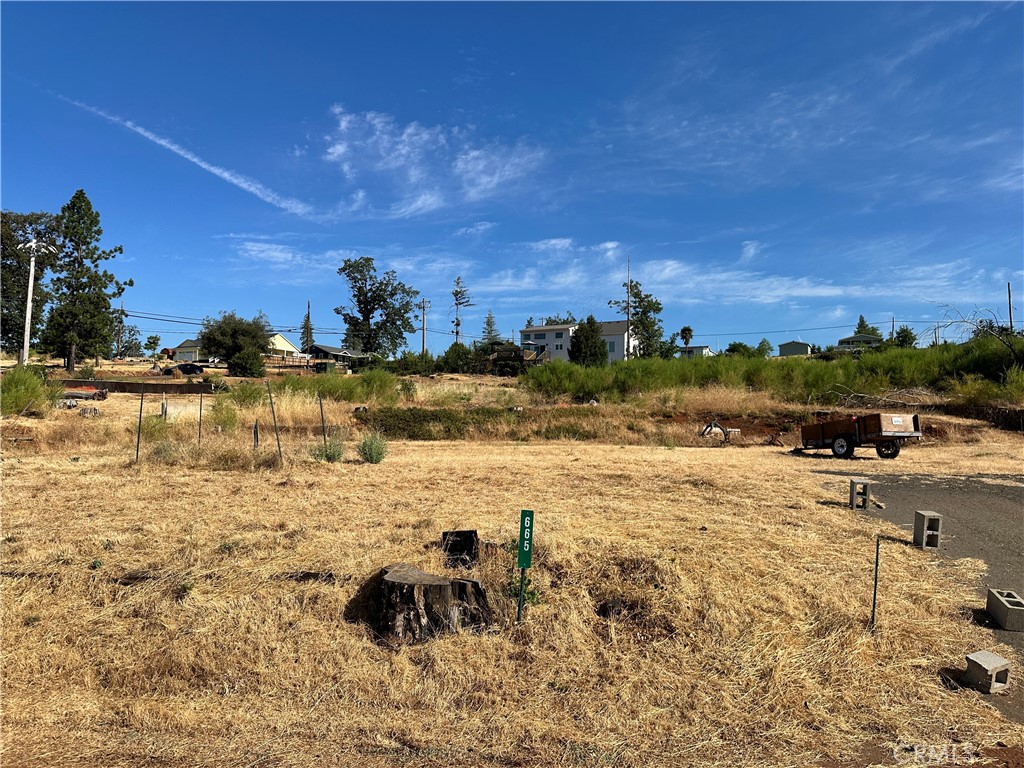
(323, 426)
(874, 594)
(525, 555)
(256, 434)
(200, 418)
(138, 440)
(280, 456)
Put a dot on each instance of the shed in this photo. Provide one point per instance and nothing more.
(794, 348)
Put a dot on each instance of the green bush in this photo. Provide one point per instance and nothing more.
(248, 394)
(1013, 385)
(373, 448)
(223, 414)
(430, 423)
(407, 389)
(333, 452)
(379, 386)
(23, 390)
(155, 428)
(248, 362)
(86, 372)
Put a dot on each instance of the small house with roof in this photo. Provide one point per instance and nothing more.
(859, 341)
(794, 348)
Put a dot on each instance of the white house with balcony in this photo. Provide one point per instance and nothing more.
(554, 340)
(696, 351)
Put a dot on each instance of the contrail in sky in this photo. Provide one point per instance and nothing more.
(253, 187)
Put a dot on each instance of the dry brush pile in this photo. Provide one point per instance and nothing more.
(692, 607)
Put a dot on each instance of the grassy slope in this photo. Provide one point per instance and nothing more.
(742, 642)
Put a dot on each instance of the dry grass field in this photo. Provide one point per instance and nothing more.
(189, 611)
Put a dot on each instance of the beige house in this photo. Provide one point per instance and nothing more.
(188, 351)
(279, 346)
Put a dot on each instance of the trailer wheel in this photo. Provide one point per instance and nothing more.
(842, 447)
(888, 450)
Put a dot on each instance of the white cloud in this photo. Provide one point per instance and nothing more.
(483, 171)
(419, 168)
(552, 244)
(475, 229)
(750, 250)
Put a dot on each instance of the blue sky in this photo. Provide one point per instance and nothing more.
(771, 169)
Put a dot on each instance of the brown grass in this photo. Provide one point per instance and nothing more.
(151, 614)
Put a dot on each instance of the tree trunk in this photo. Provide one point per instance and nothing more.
(70, 362)
(411, 606)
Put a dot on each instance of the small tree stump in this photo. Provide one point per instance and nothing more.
(411, 606)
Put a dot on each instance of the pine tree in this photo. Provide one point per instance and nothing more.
(867, 330)
(306, 341)
(491, 334)
(586, 347)
(79, 321)
(461, 299)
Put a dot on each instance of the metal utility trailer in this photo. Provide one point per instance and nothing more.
(886, 431)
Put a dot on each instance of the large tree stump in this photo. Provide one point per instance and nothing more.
(411, 606)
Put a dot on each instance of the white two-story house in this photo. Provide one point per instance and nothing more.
(554, 340)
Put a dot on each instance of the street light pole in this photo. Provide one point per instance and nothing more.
(32, 246)
(28, 307)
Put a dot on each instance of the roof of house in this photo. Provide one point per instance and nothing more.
(188, 344)
(542, 328)
(613, 326)
(804, 343)
(862, 337)
(336, 350)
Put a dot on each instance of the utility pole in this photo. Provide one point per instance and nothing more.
(1009, 304)
(32, 246)
(892, 333)
(423, 325)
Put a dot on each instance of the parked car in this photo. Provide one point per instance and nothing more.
(189, 369)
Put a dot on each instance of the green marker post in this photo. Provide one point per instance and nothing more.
(525, 555)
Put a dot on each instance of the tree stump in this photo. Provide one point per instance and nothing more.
(411, 606)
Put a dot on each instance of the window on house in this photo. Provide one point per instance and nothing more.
(558, 346)
(539, 336)
(611, 347)
(526, 337)
(558, 334)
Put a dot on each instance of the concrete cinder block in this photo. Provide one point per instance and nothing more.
(927, 529)
(860, 493)
(988, 672)
(1006, 608)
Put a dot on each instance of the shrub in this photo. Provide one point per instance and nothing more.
(86, 372)
(155, 428)
(223, 414)
(1013, 385)
(248, 394)
(407, 389)
(379, 386)
(332, 453)
(217, 382)
(373, 448)
(248, 362)
(974, 390)
(24, 391)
